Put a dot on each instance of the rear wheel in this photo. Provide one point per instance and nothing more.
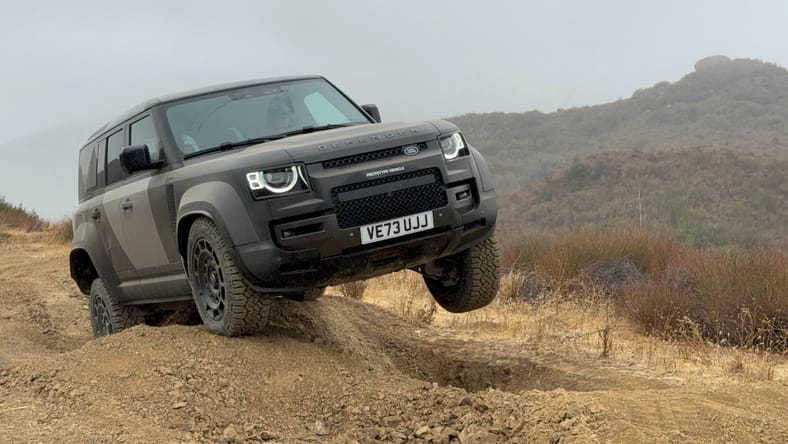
(226, 304)
(108, 317)
(467, 280)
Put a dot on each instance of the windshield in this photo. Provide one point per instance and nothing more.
(258, 112)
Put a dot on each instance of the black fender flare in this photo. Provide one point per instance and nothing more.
(485, 175)
(87, 241)
(219, 202)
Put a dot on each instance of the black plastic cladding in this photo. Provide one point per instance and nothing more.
(379, 207)
(366, 157)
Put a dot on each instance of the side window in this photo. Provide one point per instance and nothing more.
(143, 133)
(115, 144)
(87, 169)
(323, 111)
(101, 178)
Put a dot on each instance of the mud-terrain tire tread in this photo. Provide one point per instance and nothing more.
(478, 283)
(121, 316)
(248, 310)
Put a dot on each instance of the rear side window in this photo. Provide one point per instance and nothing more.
(101, 178)
(115, 144)
(87, 169)
(143, 133)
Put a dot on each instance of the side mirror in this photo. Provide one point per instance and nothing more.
(373, 111)
(136, 158)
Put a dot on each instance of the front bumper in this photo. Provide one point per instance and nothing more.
(315, 251)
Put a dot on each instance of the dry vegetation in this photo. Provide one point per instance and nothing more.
(634, 296)
(17, 218)
(585, 327)
(665, 288)
(704, 196)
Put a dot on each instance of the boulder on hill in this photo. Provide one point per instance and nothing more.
(710, 61)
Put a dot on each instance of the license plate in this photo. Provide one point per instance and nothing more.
(400, 226)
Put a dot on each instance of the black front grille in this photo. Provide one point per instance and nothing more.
(366, 157)
(389, 200)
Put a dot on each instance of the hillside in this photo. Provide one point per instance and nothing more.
(740, 104)
(705, 196)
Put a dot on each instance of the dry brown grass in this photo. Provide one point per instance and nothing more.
(577, 325)
(353, 290)
(19, 218)
(62, 231)
(667, 289)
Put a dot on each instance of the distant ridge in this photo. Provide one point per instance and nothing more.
(741, 104)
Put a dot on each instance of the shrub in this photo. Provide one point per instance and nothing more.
(62, 231)
(16, 216)
(667, 289)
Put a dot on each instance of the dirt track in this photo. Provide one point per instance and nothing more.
(334, 370)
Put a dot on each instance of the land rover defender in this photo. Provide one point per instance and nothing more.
(230, 196)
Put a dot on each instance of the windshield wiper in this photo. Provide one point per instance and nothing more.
(312, 128)
(224, 146)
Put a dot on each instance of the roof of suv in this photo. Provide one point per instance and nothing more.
(192, 93)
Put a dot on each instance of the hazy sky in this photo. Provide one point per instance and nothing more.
(79, 63)
(85, 61)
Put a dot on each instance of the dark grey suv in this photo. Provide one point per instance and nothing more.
(231, 195)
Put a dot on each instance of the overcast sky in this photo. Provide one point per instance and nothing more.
(82, 62)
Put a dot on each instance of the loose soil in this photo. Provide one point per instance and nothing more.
(333, 370)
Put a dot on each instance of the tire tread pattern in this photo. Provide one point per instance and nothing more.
(121, 316)
(479, 279)
(247, 312)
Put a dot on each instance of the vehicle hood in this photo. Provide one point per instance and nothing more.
(329, 144)
(322, 145)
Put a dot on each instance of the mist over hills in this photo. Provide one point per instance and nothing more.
(705, 158)
(741, 104)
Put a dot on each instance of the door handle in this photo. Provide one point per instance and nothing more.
(96, 214)
(127, 205)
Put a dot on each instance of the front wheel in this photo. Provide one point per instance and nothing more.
(467, 280)
(224, 301)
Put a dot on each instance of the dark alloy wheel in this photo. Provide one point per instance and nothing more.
(210, 280)
(225, 302)
(108, 317)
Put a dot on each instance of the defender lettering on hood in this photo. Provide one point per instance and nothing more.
(374, 138)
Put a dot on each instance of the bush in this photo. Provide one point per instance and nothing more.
(16, 216)
(62, 232)
(671, 290)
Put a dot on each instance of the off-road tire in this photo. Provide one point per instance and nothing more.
(108, 317)
(226, 304)
(476, 278)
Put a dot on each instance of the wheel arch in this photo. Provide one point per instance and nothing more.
(83, 271)
(219, 202)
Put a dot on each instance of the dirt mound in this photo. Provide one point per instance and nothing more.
(333, 370)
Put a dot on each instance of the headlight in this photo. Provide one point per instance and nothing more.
(277, 181)
(453, 146)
